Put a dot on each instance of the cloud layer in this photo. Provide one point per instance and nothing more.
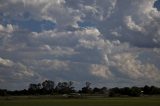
(106, 42)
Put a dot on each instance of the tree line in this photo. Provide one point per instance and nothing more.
(49, 87)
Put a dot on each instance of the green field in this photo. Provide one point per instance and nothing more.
(141, 101)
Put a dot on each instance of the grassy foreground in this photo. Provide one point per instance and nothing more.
(141, 101)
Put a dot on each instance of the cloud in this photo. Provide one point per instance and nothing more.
(101, 71)
(52, 10)
(129, 64)
(52, 64)
(131, 24)
(66, 38)
(5, 62)
(16, 70)
(6, 31)
(101, 41)
(9, 28)
(12, 73)
(128, 22)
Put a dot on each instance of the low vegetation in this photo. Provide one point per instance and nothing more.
(129, 101)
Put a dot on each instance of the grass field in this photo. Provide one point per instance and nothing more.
(141, 101)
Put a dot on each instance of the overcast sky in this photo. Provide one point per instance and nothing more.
(106, 42)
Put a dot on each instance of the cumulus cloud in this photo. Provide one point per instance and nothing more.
(101, 71)
(92, 40)
(126, 22)
(53, 64)
(129, 64)
(52, 10)
(12, 73)
(131, 24)
(9, 28)
(16, 70)
(5, 62)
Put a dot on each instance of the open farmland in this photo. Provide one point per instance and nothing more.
(24, 101)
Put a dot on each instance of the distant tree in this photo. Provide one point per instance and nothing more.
(65, 87)
(34, 89)
(104, 90)
(146, 90)
(125, 91)
(34, 86)
(88, 84)
(114, 92)
(48, 85)
(96, 90)
(135, 91)
(3, 92)
(87, 88)
(151, 90)
(154, 90)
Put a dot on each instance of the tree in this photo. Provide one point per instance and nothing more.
(88, 84)
(3, 92)
(125, 91)
(135, 91)
(87, 88)
(154, 90)
(146, 90)
(48, 85)
(34, 89)
(114, 92)
(96, 90)
(104, 90)
(65, 87)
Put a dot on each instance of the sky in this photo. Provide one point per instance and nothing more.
(112, 43)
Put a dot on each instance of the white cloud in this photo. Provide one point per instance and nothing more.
(101, 71)
(46, 48)
(141, 19)
(53, 10)
(157, 50)
(110, 43)
(6, 62)
(12, 72)
(66, 38)
(8, 29)
(129, 65)
(132, 25)
(22, 71)
(53, 64)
